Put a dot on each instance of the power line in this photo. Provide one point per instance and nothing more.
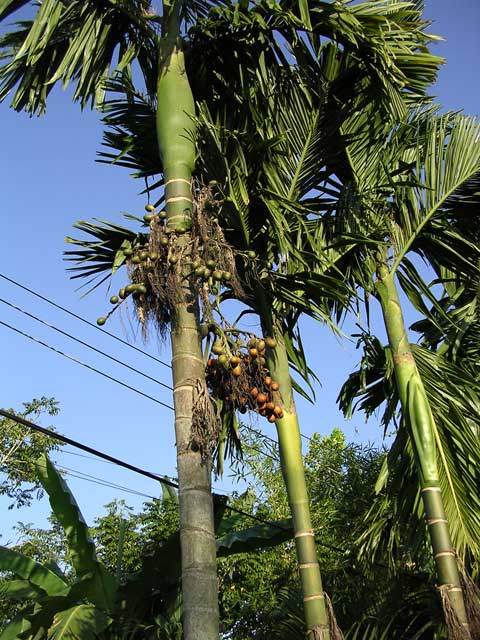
(121, 463)
(107, 375)
(113, 485)
(77, 317)
(83, 447)
(148, 474)
(85, 344)
(87, 366)
(98, 454)
(112, 335)
(264, 453)
(75, 473)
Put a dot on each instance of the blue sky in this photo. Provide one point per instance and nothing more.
(50, 180)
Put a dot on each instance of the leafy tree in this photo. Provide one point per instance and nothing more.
(20, 448)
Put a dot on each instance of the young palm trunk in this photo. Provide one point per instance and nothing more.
(416, 408)
(290, 447)
(197, 534)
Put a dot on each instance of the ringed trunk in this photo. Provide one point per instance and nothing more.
(197, 534)
(290, 447)
(416, 408)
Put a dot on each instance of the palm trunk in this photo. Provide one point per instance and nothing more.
(417, 410)
(290, 447)
(197, 533)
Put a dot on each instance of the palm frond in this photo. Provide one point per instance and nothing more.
(102, 255)
(408, 609)
(389, 37)
(130, 134)
(458, 338)
(454, 396)
(447, 173)
(81, 42)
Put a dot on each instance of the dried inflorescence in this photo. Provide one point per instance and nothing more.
(206, 422)
(157, 267)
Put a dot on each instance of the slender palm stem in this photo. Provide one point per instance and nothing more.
(419, 419)
(197, 532)
(290, 447)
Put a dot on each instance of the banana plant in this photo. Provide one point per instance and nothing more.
(420, 198)
(61, 609)
(96, 604)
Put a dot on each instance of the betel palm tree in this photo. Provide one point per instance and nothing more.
(410, 202)
(298, 284)
(259, 187)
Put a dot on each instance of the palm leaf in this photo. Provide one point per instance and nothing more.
(454, 396)
(102, 254)
(76, 42)
(458, 337)
(447, 172)
(130, 130)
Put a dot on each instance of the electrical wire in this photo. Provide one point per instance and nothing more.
(149, 474)
(85, 344)
(121, 463)
(90, 324)
(83, 447)
(96, 453)
(264, 453)
(75, 473)
(87, 366)
(77, 317)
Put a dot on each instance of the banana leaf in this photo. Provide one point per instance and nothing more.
(82, 549)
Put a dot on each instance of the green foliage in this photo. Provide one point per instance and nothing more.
(77, 42)
(60, 609)
(260, 592)
(19, 449)
(454, 397)
(81, 621)
(86, 599)
(258, 583)
(144, 532)
(47, 546)
(30, 571)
